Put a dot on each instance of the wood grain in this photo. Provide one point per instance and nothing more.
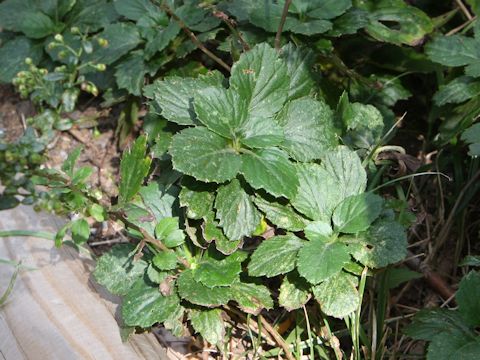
(57, 311)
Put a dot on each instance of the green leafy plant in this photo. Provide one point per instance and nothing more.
(254, 168)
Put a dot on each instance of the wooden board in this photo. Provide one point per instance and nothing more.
(57, 311)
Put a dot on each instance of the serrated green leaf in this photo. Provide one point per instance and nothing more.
(319, 260)
(69, 164)
(209, 324)
(156, 276)
(116, 271)
(226, 113)
(308, 127)
(338, 296)
(467, 298)
(144, 305)
(235, 210)
(174, 95)
(428, 323)
(204, 155)
(299, 63)
(457, 91)
(199, 294)
(80, 231)
(280, 215)
(357, 212)
(197, 198)
(275, 256)
(130, 73)
(294, 292)
(212, 232)
(384, 243)
(134, 166)
(212, 272)
(165, 260)
(455, 50)
(159, 200)
(260, 77)
(271, 170)
(251, 297)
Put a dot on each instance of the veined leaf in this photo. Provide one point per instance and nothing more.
(117, 271)
(204, 155)
(457, 91)
(280, 215)
(270, 169)
(197, 198)
(275, 256)
(294, 292)
(308, 127)
(385, 242)
(251, 297)
(299, 63)
(260, 77)
(130, 73)
(472, 137)
(455, 50)
(338, 296)
(235, 210)
(174, 95)
(144, 305)
(319, 260)
(212, 272)
(134, 166)
(199, 294)
(209, 324)
(357, 212)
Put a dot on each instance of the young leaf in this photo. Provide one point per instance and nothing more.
(116, 270)
(318, 231)
(236, 213)
(209, 324)
(130, 73)
(275, 256)
(80, 231)
(457, 91)
(280, 215)
(260, 77)
(144, 305)
(134, 166)
(384, 243)
(338, 296)
(204, 155)
(467, 298)
(199, 294)
(455, 50)
(69, 164)
(294, 292)
(357, 212)
(319, 260)
(168, 232)
(308, 127)
(270, 169)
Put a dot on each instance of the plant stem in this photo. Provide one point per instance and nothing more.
(277, 337)
(194, 39)
(282, 23)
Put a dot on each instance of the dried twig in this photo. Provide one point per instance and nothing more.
(194, 39)
(464, 9)
(277, 337)
(282, 23)
(232, 26)
(461, 27)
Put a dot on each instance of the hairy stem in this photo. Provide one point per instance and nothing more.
(282, 23)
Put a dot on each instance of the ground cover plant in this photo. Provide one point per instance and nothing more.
(267, 184)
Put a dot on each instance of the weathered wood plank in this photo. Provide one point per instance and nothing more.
(57, 311)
